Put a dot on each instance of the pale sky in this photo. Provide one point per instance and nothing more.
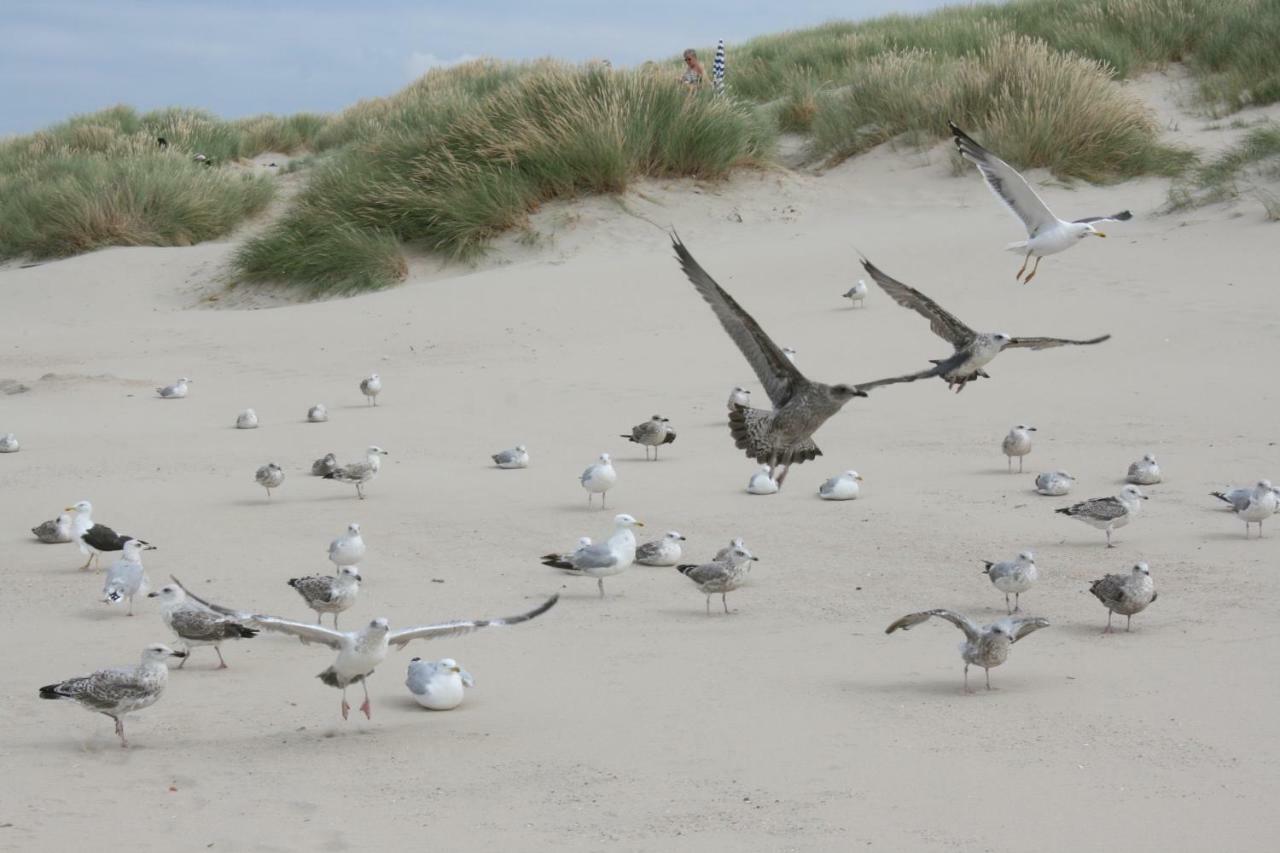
(238, 58)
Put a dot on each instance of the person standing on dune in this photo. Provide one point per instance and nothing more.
(693, 73)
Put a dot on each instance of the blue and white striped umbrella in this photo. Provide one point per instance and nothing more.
(717, 70)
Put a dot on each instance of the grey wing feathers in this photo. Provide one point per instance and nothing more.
(242, 615)
(597, 556)
(317, 588)
(1005, 182)
(304, 632)
(648, 549)
(895, 380)
(705, 572)
(1100, 508)
(1122, 216)
(205, 625)
(1046, 343)
(105, 689)
(402, 638)
(913, 619)
(1027, 625)
(943, 323)
(775, 371)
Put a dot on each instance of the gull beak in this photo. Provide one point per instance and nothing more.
(359, 579)
(152, 594)
(639, 524)
(755, 559)
(858, 478)
(69, 509)
(1146, 498)
(178, 654)
(455, 669)
(1099, 234)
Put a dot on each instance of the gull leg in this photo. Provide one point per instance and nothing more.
(1109, 545)
(131, 605)
(1023, 269)
(187, 658)
(988, 671)
(783, 476)
(124, 744)
(1019, 464)
(724, 601)
(708, 604)
(1032, 274)
(1016, 602)
(966, 679)
(85, 567)
(1006, 604)
(335, 621)
(320, 616)
(600, 583)
(1107, 630)
(366, 707)
(222, 664)
(603, 496)
(359, 492)
(346, 709)
(1127, 621)
(1009, 467)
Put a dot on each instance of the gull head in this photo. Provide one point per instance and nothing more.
(353, 529)
(1142, 569)
(844, 393)
(159, 652)
(738, 389)
(1148, 457)
(82, 507)
(1001, 629)
(1064, 475)
(604, 459)
(520, 448)
(853, 475)
(1132, 493)
(675, 536)
(350, 572)
(658, 419)
(624, 520)
(379, 625)
(450, 664)
(134, 547)
(374, 377)
(1002, 339)
(1023, 428)
(739, 554)
(375, 450)
(169, 594)
(1264, 485)
(1027, 557)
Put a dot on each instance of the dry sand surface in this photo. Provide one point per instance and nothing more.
(637, 722)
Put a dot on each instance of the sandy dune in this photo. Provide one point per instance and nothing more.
(637, 722)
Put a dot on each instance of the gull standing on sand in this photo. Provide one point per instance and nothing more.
(120, 691)
(329, 594)
(9, 443)
(195, 623)
(94, 538)
(1108, 513)
(176, 391)
(326, 464)
(126, 577)
(606, 559)
(317, 414)
(986, 647)
(1261, 505)
(516, 457)
(359, 473)
(1046, 233)
(972, 350)
(1054, 483)
(784, 436)
(371, 387)
(437, 685)
(739, 396)
(348, 549)
(761, 483)
(1017, 443)
(599, 478)
(1238, 497)
(1144, 472)
(269, 476)
(1125, 594)
(54, 532)
(1014, 577)
(654, 433)
(720, 576)
(661, 552)
(248, 419)
(842, 487)
(360, 652)
(857, 294)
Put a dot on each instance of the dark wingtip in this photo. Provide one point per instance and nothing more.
(1124, 215)
(50, 691)
(1066, 510)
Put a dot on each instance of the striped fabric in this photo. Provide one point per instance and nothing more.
(717, 70)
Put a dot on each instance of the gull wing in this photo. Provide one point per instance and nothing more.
(776, 372)
(1122, 216)
(1008, 186)
(403, 637)
(971, 631)
(1024, 625)
(943, 323)
(1047, 343)
(241, 615)
(894, 380)
(305, 632)
(1103, 509)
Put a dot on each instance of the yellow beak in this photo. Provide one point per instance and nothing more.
(1099, 233)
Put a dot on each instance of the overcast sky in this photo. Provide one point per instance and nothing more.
(237, 58)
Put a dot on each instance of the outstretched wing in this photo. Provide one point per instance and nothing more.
(1008, 186)
(240, 615)
(303, 631)
(943, 323)
(894, 380)
(403, 637)
(1047, 343)
(776, 372)
(1024, 625)
(971, 631)
(1122, 216)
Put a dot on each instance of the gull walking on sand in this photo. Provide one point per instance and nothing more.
(360, 652)
(720, 576)
(1261, 505)
(371, 387)
(9, 443)
(857, 294)
(654, 433)
(248, 419)
(599, 478)
(197, 624)
(1144, 472)
(269, 476)
(438, 685)
(1013, 577)
(1125, 594)
(762, 482)
(54, 532)
(987, 646)
(1054, 483)
(326, 464)
(94, 538)
(606, 559)
(842, 487)
(125, 577)
(329, 594)
(317, 414)
(176, 391)
(359, 473)
(348, 549)
(783, 436)
(516, 457)
(661, 552)
(1108, 513)
(739, 396)
(121, 691)
(1017, 443)
(1046, 233)
(971, 350)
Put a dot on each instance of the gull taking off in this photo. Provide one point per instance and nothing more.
(857, 294)
(1260, 505)
(359, 473)
(120, 691)
(438, 685)
(126, 577)
(1108, 513)
(348, 549)
(1046, 233)
(1125, 594)
(54, 532)
(654, 433)
(329, 594)
(1017, 443)
(973, 350)
(269, 476)
(175, 391)
(661, 552)
(721, 576)
(599, 478)
(783, 436)
(1144, 472)
(842, 487)
(516, 457)
(197, 624)
(605, 559)
(1054, 483)
(371, 387)
(985, 647)
(1014, 577)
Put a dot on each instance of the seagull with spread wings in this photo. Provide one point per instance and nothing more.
(973, 350)
(1046, 233)
(360, 652)
(783, 436)
(985, 647)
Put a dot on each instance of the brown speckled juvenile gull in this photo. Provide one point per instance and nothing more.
(1107, 513)
(1125, 594)
(359, 473)
(654, 433)
(196, 623)
(986, 647)
(329, 593)
(721, 576)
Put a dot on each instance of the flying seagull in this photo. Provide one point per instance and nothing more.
(973, 350)
(1046, 233)
(985, 647)
(784, 436)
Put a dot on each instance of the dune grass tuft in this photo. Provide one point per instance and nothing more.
(1247, 168)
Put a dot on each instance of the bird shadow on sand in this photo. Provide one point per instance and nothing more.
(922, 687)
(1090, 629)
